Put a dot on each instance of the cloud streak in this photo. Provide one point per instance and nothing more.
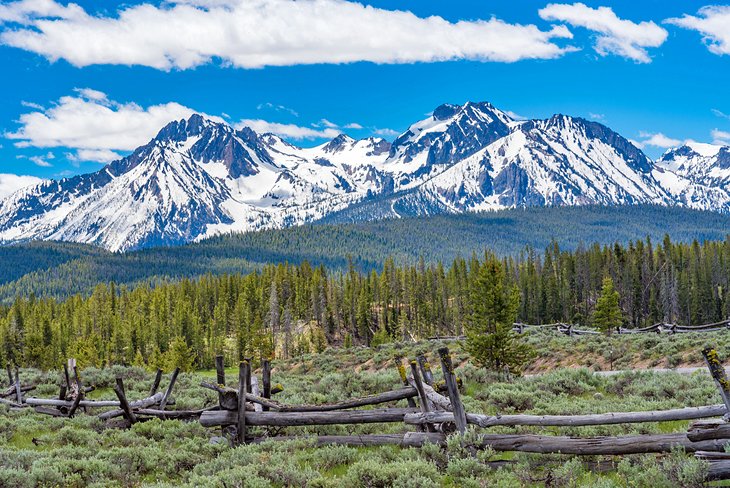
(713, 22)
(258, 33)
(615, 35)
(291, 131)
(95, 125)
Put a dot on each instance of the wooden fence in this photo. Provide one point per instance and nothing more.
(433, 410)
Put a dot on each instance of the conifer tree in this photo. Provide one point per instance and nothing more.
(607, 315)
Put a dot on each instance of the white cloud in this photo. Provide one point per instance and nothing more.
(595, 116)
(41, 161)
(96, 155)
(256, 33)
(720, 114)
(515, 115)
(615, 35)
(720, 137)
(327, 123)
(277, 108)
(658, 140)
(10, 183)
(90, 121)
(287, 130)
(713, 23)
(386, 132)
(354, 125)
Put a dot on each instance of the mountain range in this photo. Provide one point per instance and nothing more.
(198, 178)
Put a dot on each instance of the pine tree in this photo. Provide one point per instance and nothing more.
(607, 315)
(179, 355)
(490, 338)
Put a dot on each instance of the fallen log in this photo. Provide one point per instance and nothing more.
(52, 402)
(389, 396)
(289, 419)
(11, 391)
(700, 431)
(143, 403)
(437, 400)
(49, 411)
(689, 413)
(172, 414)
(594, 446)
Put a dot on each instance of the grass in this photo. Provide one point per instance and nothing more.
(82, 452)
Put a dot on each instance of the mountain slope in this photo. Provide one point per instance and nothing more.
(61, 269)
(199, 178)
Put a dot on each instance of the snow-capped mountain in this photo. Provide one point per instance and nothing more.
(198, 178)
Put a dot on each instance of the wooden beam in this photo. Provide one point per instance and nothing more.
(689, 413)
(593, 446)
(18, 391)
(220, 376)
(718, 374)
(403, 377)
(289, 419)
(156, 383)
(266, 379)
(458, 408)
(166, 397)
(425, 408)
(119, 390)
(240, 415)
(425, 367)
(79, 390)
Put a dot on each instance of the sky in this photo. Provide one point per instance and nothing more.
(85, 83)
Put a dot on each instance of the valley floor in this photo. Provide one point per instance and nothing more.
(37, 450)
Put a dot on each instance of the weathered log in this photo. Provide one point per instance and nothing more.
(426, 372)
(439, 401)
(450, 378)
(11, 403)
(49, 411)
(423, 399)
(714, 429)
(168, 392)
(403, 378)
(79, 391)
(594, 446)
(288, 419)
(227, 397)
(719, 469)
(11, 391)
(389, 396)
(18, 392)
(718, 374)
(220, 376)
(172, 414)
(689, 413)
(53, 402)
(266, 379)
(119, 390)
(156, 383)
(240, 415)
(256, 392)
(712, 455)
(143, 403)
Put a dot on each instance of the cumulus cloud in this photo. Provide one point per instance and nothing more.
(615, 35)
(257, 33)
(90, 121)
(291, 131)
(386, 132)
(720, 137)
(656, 140)
(713, 22)
(96, 155)
(10, 183)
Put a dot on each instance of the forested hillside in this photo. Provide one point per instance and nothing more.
(288, 309)
(61, 270)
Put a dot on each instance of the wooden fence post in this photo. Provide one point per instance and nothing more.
(421, 393)
(403, 377)
(450, 378)
(166, 397)
(243, 375)
(220, 376)
(79, 390)
(718, 374)
(10, 374)
(156, 383)
(426, 372)
(123, 403)
(18, 391)
(266, 379)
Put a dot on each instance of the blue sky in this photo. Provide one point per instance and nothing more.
(82, 84)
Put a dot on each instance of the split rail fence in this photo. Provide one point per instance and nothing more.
(434, 410)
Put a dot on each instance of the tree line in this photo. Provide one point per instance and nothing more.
(284, 310)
